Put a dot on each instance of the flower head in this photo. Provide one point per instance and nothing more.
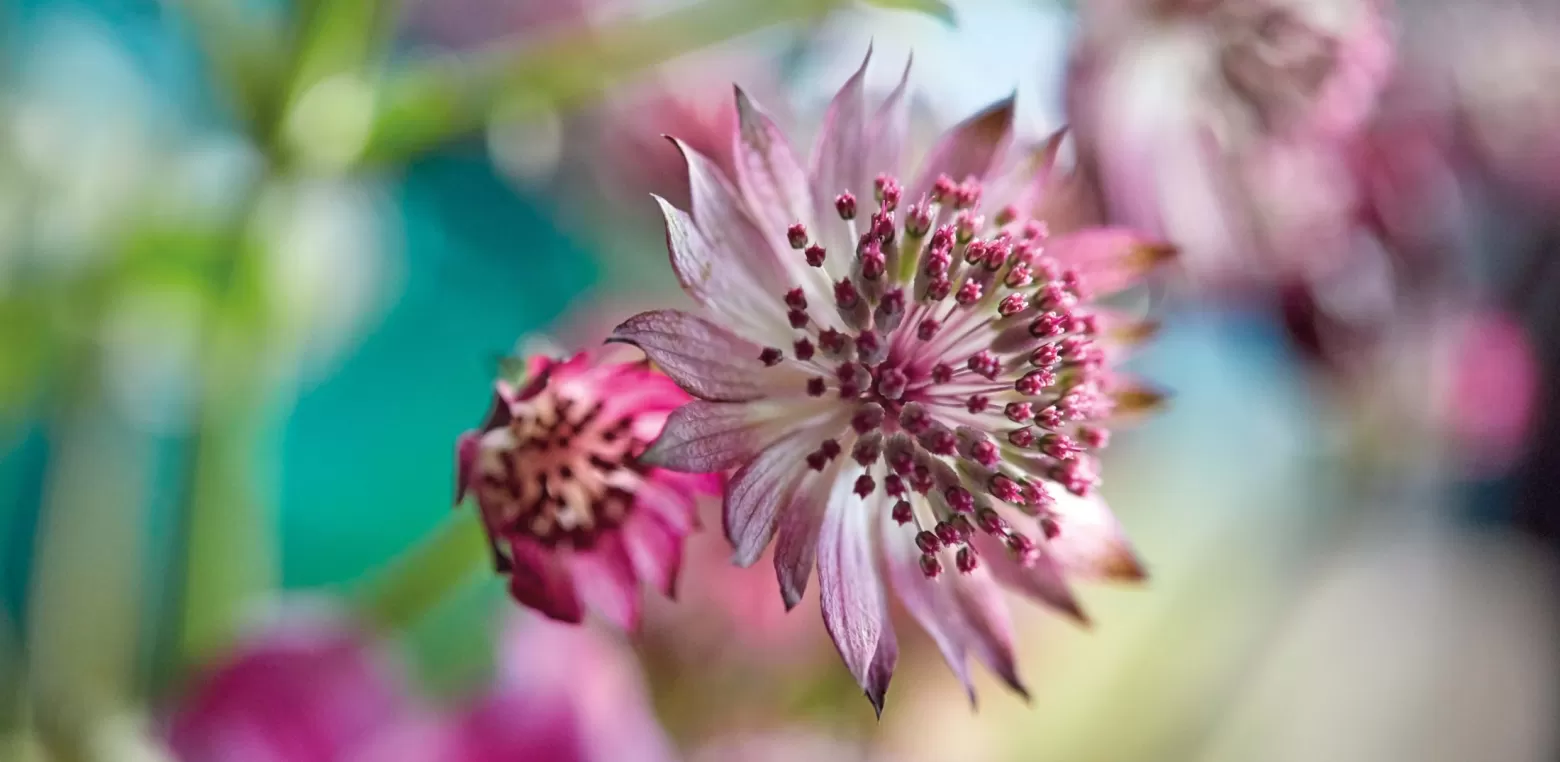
(573, 515)
(907, 374)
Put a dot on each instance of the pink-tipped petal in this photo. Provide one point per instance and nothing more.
(1091, 544)
(796, 533)
(673, 506)
(1040, 580)
(768, 172)
(728, 225)
(854, 611)
(655, 551)
(705, 359)
(839, 161)
(702, 437)
(604, 576)
(542, 580)
(881, 671)
(709, 274)
(979, 598)
(759, 492)
(1109, 259)
(890, 125)
(970, 149)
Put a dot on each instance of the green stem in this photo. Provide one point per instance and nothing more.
(432, 103)
(426, 574)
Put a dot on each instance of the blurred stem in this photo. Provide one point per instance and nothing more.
(445, 98)
(426, 574)
(242, 54)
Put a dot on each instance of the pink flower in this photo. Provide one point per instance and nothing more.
(308, 692)
(573, 515)
(911, 390)
(1222, 124)
(562, 694)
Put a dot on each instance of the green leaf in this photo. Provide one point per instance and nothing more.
(935, 8)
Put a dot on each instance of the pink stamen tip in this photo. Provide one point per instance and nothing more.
(938, 260)
(985, 453)
(939, 290)
(974, 252)
(942, 373)
(892, 383)
(1019, 277)
(1006, 490)
(942, 238)
(883, 225)
(990, 521)
(893, 302)
(943, 189)
(914, 418)
(796, 299)
(888, 191)
(966, 560)
(831, 341)
(946, 534)
(921, 480)
(1059, 446)
(1007, 215)
(1075, 284)
(1012, 304)
(931, 567)
(1019, 543)
(969, 293)
(1034, 382)
(1088, 325)
(873, 263)
(1024, 437)
(997, 255)
(918, 220)
(797, 235)
(1074, 348)
(1018, 412)
(816, 461)
(1035, 494)
(1094, 437)
(902, 512)
(1047, 325)
(868, 343)
(962, 527)
(1051, 529)
(865, 485)
(815, 255)
(966, 224)
(845, 204)
(1035, 230)
(968, 194)
(816, 387)
(940, 441)
(797, 318)
(927, 541)
(894, 485)
(926, 330)
(770, 356)
(829, 448)
(1049, 417)
(845, 294)
(804, 349)
(977, 404)
(1052, 296)
(868, 418)
(960, 499)
(985, 364)
(1046, 356)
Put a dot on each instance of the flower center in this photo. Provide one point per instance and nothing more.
(558, 471)
(966, 361)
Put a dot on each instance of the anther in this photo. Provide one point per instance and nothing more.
(845, 204)
(966, 224)
(942, 373)
(864, 485)
(943, 189)
(894, 485)
(931, 567)
(892, 382)
(1008, 214)
(770, 356)
(959, 499)
(797, 235)
(918, 219)
(803, 349)
(1024, 437)
(985, 453)
(1018, 412)
(985, 364)
(927, 541)
(927, 329)
(966, 560)
(977, 404)
(946, 534)
(815, 255)
(1012, 304)
(902, 512)
(845, 294)
(796, 299)
(1034, 382)
(816, 387)
(969, 293)
(797, 318)
(868, 418)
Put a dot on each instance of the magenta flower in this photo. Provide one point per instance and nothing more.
(911, 389)
(573, 515)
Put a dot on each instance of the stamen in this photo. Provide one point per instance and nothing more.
(770, 356)
(797, 235)
(815, 255)
(845, 205)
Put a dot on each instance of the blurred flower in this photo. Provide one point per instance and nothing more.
(912, 357)
(784, 747)
(307, 691)
(573, 515)
(1220, 124)
(562, 694)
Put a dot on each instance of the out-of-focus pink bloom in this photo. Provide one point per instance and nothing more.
(574, 516)
(307, 692)
(1488, 400)
(909, 379)
(786, 747)
(562, 694)
(1221, 124)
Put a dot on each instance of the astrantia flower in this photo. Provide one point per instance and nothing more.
(908, 377)
(573, 515)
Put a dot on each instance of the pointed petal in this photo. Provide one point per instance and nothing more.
(705, 359)
(655, 551)
(796, 533)
(701, 437)
(759, 492)
(1041, 581)
(466, 448)
(839, 164)
(711, 272)
(728, 225)
(1134, 399)
(881, 671)
(1091, 544)
(924, 598)
(542, 580)
(850, 593)
(890, 125)
(768, 173)
(1109, 259)
(604, 576)
(660, 495)
(979, 598)
(970, 149)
